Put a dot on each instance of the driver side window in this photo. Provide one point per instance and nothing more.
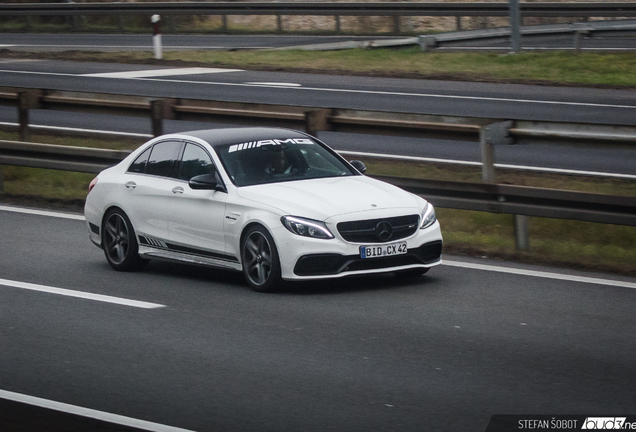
(195, 161)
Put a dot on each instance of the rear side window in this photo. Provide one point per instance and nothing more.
(139, 165)
(163, 159)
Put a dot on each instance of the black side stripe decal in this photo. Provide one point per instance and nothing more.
(160, 244)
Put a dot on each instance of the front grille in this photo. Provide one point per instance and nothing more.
(379, 230)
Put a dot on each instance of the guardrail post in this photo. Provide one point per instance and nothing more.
(224, 23)
(337, 17)
(279, 24)
(522, 239)
(160, 110)
(458, 21)
(23, 115)
(489, 135)
(578, 39)
(515, 26)
(1, 181)
(487, 157)
(427, 43)
(26, 100)
(156, 114)
(317, 121)
(396, 24)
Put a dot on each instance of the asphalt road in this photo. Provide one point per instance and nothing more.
(315, 90)
(440, 353)
(115, 42)
(170, 42)
(385, 94)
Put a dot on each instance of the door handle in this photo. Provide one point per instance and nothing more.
(178, 190)
(130, 185)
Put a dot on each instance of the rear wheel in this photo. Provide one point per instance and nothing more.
(120, 242)
(261, 265)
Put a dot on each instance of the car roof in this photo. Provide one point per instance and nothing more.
(220, 137)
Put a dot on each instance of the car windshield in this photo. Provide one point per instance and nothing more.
(279, 160)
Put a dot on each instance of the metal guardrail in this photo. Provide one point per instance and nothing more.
(613, 9)
(488, 132)
(493, 198)
(529, 201)
(74, 11)
(57, 157)
(578, 30)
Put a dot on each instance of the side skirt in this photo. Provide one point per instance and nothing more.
(151, 252)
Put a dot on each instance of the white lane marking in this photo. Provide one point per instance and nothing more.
(409, 158)
(160, 73)
(42, 213)
(505, 166)
(276, 84)
(70, 129)
(540, 274)
(451, 263)
(567, 171)
(19, 60)
(89, 413)
(80, 294)
(139, 47)
(370, 92)
(389, 93)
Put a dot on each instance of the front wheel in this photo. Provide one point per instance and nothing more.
(261, 265)
(120, 243)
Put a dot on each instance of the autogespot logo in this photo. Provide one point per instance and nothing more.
(605, 423)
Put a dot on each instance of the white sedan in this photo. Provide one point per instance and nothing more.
(276, 204)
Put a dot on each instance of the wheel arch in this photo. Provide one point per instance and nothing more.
(108, 209)
(272, 278)
(247, 227)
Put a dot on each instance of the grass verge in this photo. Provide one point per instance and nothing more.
(583, 245)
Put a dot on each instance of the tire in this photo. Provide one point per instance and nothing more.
(120, 242)
(261, 264)
(411, 273)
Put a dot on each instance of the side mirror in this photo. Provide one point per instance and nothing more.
(359, 165)
(206, 182)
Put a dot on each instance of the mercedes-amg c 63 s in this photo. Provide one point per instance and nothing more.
(276, 204)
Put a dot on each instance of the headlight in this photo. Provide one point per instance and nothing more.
(428, 216)
(306, 227)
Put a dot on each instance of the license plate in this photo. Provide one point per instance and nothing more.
(378, 251)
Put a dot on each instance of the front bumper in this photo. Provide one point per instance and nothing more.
(334, 264)
(302, 258)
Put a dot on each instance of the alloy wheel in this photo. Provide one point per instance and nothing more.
(117, 238)
(257, 255)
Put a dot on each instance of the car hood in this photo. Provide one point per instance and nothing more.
(321, 199)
